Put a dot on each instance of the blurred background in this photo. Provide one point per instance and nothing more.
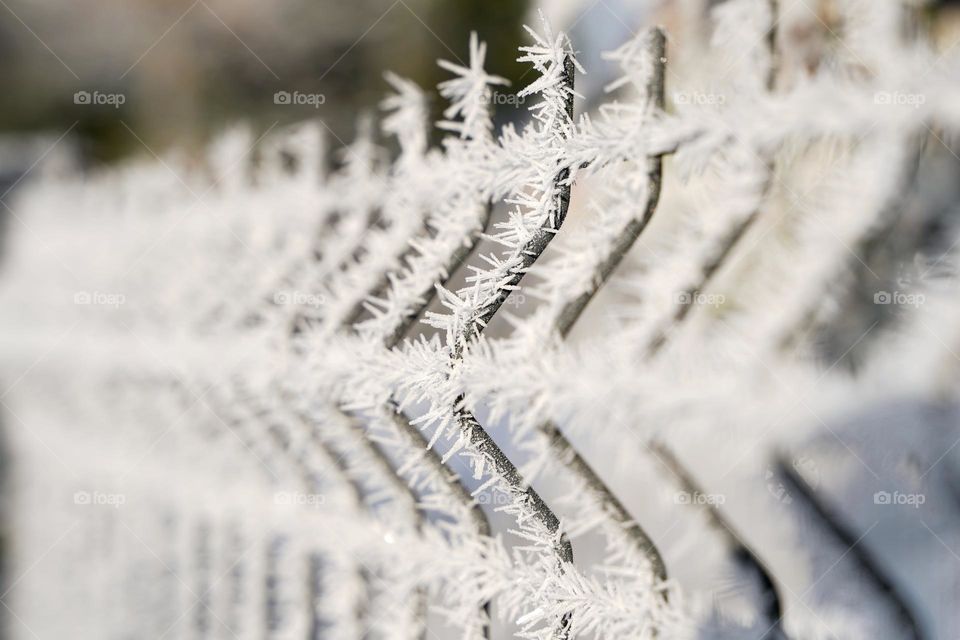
(170, 73)
(182, 68)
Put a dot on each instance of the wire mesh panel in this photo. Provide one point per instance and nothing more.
(677, 366)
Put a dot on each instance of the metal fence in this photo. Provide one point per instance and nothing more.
(267, 399)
